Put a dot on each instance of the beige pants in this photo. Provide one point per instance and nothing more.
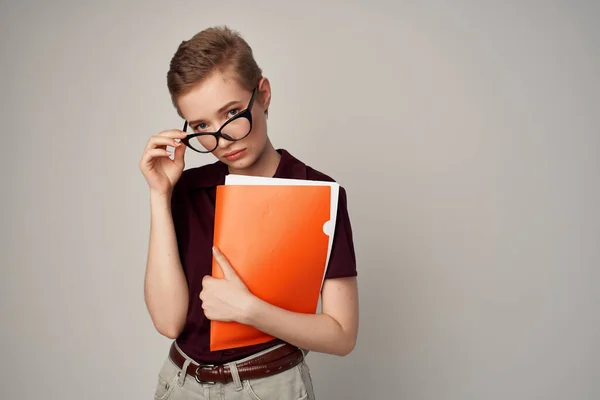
(293, 384)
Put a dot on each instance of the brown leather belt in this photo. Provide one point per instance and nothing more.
(270, 363)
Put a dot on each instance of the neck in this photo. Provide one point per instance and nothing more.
(265, 165)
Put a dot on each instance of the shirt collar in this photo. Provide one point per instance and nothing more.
(289, 167)
(214, 174)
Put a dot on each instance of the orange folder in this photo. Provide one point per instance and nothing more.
(273, 236)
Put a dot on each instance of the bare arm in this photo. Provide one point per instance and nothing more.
(165, 287)
(334, 331)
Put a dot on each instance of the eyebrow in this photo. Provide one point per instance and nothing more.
(221, 110)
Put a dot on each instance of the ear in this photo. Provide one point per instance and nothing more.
(264, 91)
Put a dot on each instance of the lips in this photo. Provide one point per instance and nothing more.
(233, 153)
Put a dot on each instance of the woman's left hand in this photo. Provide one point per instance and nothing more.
(226, 299)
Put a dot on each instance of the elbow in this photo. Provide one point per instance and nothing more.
(169, 332)
(168, 324)
(347, 348)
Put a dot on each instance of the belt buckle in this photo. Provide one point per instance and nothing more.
(204, 366)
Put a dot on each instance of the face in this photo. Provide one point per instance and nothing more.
(213, 101)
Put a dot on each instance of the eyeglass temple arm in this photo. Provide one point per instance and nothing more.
(252, 99)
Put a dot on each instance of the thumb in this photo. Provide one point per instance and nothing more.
(228, 271)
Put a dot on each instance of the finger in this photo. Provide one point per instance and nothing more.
(228, 271)
(173, 133)
(162, 142)
(151, 154)
(179, 155)
(207, 280)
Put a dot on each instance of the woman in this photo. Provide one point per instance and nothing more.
(216, 86)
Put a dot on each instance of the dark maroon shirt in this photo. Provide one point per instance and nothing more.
(193, 210)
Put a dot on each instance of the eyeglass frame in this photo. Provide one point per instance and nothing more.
(246, 113)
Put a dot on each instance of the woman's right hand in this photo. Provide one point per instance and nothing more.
(160, 171)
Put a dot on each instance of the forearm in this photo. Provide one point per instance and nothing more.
(165, 287)
(315, 332)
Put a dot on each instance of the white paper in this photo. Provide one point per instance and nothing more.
(328, 228)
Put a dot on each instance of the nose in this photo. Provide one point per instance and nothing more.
(224, 143)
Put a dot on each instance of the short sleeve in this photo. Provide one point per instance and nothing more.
(180, 220)
(342, 263)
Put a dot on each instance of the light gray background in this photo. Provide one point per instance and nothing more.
(466, 134)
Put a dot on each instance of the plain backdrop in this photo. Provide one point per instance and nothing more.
(466, 135)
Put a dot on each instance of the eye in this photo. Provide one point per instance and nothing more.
(233, 112)
(201, 126)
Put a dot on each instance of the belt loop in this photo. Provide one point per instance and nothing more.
(182, 374)
(304, 353)
(236, 376)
